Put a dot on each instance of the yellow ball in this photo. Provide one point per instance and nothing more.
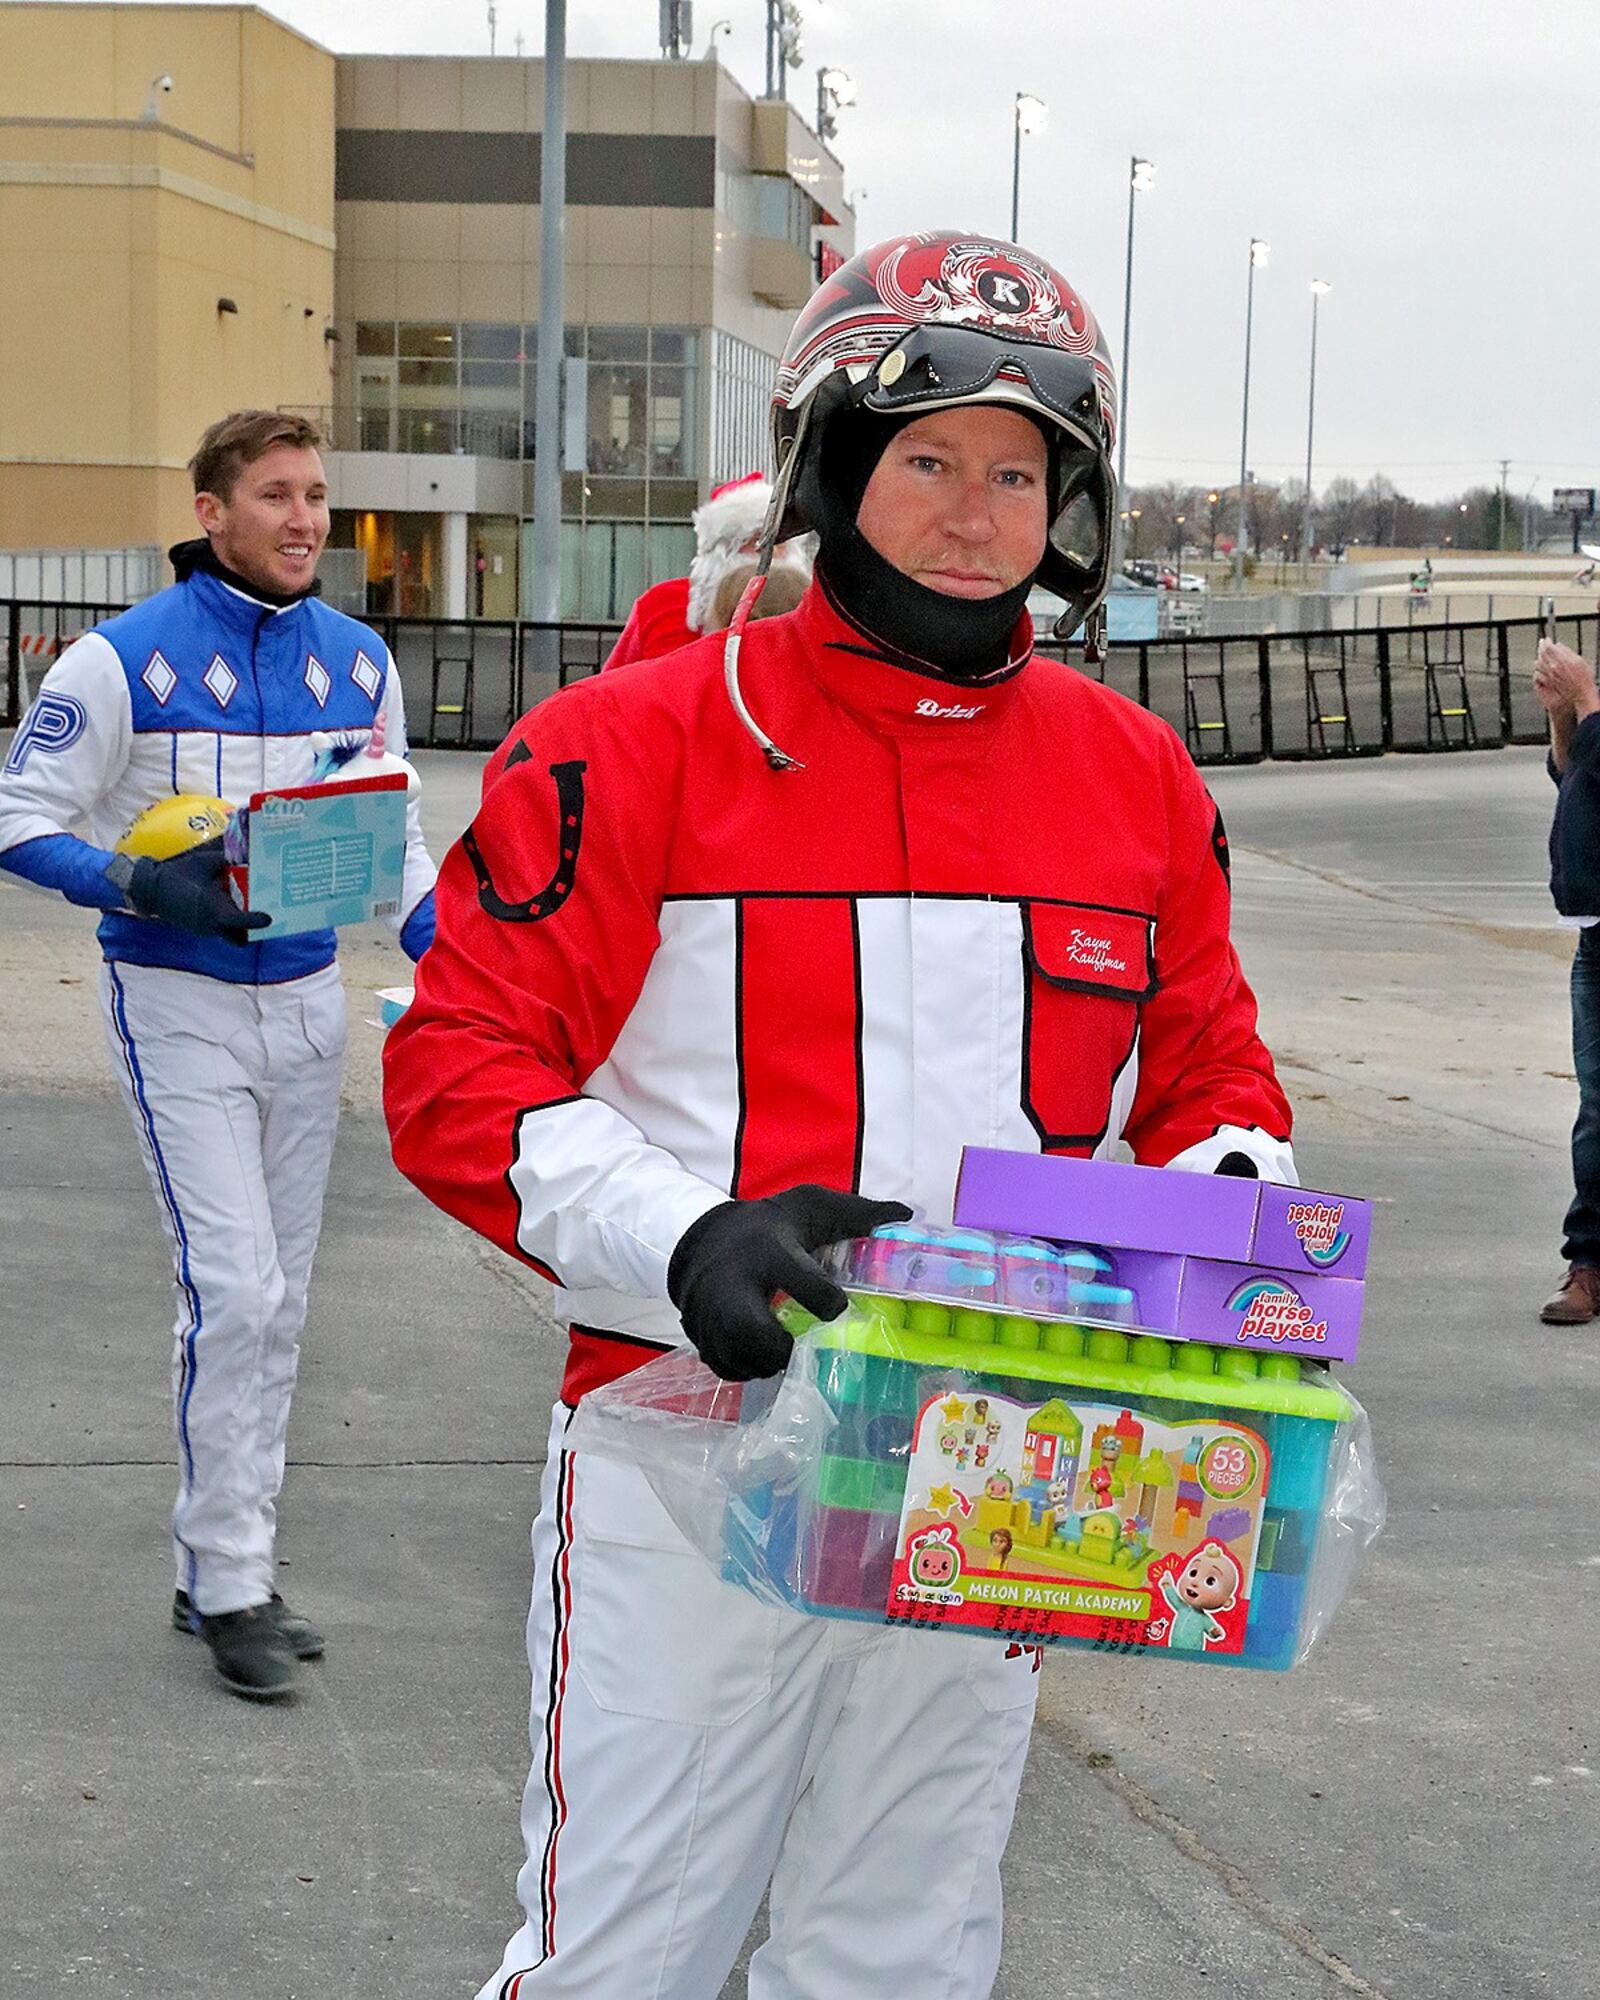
(173, 826)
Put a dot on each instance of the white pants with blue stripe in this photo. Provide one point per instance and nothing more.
(234, 1095)
(692, 1746)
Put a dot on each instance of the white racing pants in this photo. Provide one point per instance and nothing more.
(691, 1744)
(234, 1094)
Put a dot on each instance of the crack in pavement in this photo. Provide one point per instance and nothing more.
(1237, 1885)
(1419, 1108)
(1551, 943)
(1543, 943)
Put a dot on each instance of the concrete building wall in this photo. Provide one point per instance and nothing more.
(659, 261)
(120, 233)
(688, 247)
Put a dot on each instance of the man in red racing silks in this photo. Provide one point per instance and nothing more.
(743, 945)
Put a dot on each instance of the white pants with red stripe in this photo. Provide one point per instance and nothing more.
(234, 1094)
(691, 1744)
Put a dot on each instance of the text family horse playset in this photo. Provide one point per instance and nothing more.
(1092, 1413)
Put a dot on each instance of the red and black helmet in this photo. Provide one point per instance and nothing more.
(939, 319)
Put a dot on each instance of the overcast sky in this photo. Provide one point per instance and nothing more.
(1427, 157)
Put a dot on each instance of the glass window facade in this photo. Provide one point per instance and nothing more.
(632, 455)
(741, 408)
(473, 388)
(768, 205)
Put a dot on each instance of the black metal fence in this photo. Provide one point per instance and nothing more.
(1234, 701)
(32, 634)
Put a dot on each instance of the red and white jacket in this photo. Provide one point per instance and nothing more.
(665, 973)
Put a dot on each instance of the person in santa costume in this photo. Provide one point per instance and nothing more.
(727, 533)
(741, 948)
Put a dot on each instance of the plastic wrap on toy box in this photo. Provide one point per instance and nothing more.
(1153, 1291)
(1151, 1208)
(1034, 1484)
(1248, 1262)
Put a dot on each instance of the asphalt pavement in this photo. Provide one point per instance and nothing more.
(1413, 1814)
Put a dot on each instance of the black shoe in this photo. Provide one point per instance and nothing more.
(250, 1653)
(305, 1641)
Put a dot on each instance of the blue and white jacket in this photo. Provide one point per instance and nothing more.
(198, 689)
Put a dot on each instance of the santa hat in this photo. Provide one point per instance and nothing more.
(729, 520)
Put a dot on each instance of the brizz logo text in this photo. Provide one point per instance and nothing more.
(1275, 1311)
(1317, 1225)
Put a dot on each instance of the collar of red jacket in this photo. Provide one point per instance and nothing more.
(861, 674)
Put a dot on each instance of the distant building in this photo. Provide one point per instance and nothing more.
(692, 231)
(358, 237)
(166, 212)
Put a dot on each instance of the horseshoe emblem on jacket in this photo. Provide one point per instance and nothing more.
(1219, 843)
(569, 805)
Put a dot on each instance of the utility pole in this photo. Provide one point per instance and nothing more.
(1500, 538)
(546, 593)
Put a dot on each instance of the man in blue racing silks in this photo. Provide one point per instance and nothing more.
(228, 1052)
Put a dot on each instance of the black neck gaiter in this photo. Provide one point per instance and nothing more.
(958, 638)
(187, 557)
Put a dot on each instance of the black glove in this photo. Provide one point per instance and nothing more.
(1238, 1167)
(728, 1265)
(190, 892)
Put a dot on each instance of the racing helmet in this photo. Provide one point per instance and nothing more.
(172, 826)
(928, 322)
(931, 321)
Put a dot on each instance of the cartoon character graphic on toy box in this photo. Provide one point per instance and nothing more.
(1058, 1503)
(1000, 1546)
(935, 1560)
(1209, 1582)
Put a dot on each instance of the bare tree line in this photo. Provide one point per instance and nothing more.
(1203, 520)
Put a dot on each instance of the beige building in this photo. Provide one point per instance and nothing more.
(167, 246)
(174, 181)
(693, 222)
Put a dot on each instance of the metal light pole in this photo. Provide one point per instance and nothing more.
(1141, 178)
(1027, 115)
(1319, 286)
(1259, 253)
(546, 594)
(1212, 500)
(783, 44)
(835, 89)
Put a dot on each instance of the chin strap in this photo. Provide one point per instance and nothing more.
(778, 760)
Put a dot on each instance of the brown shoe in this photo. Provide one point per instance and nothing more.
(1578, 1299)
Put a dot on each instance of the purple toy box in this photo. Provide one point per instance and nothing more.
(1247, 1263)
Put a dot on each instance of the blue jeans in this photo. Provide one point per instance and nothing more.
(1582, 1244)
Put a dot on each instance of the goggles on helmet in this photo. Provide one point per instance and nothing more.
(935, 365)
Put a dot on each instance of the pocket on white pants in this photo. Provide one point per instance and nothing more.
(659, 1635)
(1002, 1679)
(323, 1019)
